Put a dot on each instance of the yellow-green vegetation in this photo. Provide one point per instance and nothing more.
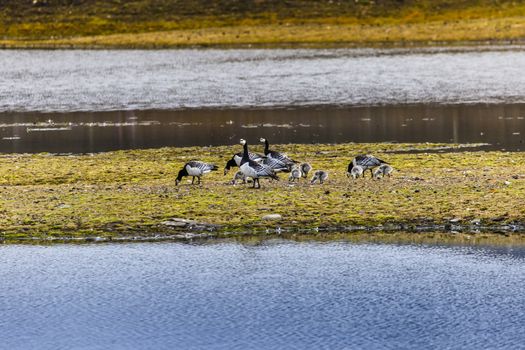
(128, 193)
(182, 23)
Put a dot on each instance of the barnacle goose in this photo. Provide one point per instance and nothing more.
(236, 160)
(367, 162)
(295, 174)
(276, 155)
(196, 169)
(383, 170)
(356, 172)
(253, 169)
(305, 169)
(320, 175)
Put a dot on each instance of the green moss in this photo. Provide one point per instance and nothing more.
(132, 192)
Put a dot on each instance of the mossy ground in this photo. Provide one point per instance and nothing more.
(132, 192)
(164, 23)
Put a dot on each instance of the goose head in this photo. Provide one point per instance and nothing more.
(242, 142)
(262, 139)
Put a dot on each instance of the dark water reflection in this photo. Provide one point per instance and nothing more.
(503, 126)
(272, 295)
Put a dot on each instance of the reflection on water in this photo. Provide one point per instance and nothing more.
(271, 295)
(503, 126)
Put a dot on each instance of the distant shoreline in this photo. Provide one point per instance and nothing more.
(496, 31)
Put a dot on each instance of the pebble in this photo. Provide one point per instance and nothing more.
(272, 217)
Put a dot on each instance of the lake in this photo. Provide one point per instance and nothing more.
(80, 101)
(272, 295)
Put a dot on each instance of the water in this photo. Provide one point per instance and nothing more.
(274, 295)
(79, 80)
(90, 101)
(502, 126)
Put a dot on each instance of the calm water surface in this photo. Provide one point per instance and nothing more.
(276, 295)
(501, 126)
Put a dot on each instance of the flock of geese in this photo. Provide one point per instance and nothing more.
(256, 166)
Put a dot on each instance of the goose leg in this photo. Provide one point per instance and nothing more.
(199, 178)
(192, 179)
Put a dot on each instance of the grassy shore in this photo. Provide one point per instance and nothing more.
(264, 23)
(132, 193)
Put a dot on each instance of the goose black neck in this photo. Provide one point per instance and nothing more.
(266, 147)
(245, 156)
(350, 166)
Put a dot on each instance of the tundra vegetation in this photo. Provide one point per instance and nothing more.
(264, 23)
(132, 193)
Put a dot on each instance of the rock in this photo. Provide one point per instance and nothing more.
(476, 221)
(455, 220)
(272, 217)
(507, 183)
(174, 224)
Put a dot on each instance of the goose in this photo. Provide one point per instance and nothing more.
(276, 155)
(196, 169)
(367, 162)
(356, 172)
(295, 174)
(383, 170)
(238, 176)
(253, 169)
(236, 160)
(305, 169)
(320, 175)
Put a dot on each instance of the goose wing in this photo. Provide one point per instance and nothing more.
(367, 161)
(275, 164)
(281, 157)
(203, 167)
(262, 169)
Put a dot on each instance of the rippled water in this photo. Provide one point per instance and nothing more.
(276, 295)
(78, 80)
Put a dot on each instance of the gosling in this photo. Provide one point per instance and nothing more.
(295, 174)
(305, 169)
(320, 175)
(356, 172)
(383, 170)
(239, 175)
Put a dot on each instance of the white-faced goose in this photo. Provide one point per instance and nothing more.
(236, 160)
(367, 162)
(276, 155)
(196, 169)
(253, 169)
(319, 175)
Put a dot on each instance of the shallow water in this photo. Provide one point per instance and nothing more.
(80, 80)
(501, 126)
(274, 295)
